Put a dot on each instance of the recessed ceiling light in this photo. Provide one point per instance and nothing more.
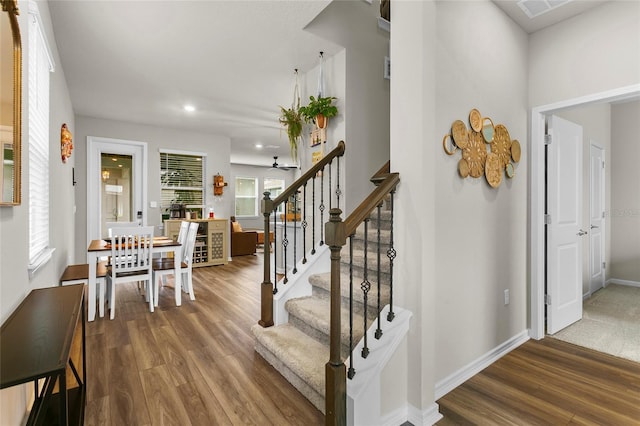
(189, 108)
(259, 145)
(535, 8)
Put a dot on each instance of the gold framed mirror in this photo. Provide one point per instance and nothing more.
(11, 102)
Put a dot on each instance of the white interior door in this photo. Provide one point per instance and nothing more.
(96, 146)
(564, 235)
(596, 218)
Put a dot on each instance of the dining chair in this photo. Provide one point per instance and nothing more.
(131, 258)
(164, 267)
(182, 234)
(114, 225)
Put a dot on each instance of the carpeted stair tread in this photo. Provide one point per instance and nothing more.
(303, 355)
(323, 282)
(315, 313)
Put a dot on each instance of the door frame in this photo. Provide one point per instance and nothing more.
(603, 196)
(537, 257)
(96, 145)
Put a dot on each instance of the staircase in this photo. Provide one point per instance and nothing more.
(325, 308)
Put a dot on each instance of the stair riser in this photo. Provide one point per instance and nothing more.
(322, 337)
(358, 305)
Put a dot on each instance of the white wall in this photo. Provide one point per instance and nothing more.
(364, 107)
(595, 51)
(15, 283)
(624, 214)
(216, 147)
(596, 128)
(480, 231)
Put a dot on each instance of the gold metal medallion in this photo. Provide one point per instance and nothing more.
(446, 138)
(475, 154)
(515, 150)
(501, 145)
(493, 170)
(509, 171)
(475, 120)
(463, 168)
(460, 134)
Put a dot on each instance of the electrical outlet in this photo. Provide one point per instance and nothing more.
(506, 297)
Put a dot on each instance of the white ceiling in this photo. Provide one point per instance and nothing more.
(566, 11)
(142, 61)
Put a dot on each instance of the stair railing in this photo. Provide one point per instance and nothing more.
(336, 234)
(314, 212)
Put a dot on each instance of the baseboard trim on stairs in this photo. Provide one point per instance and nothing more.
(622, 282)
(454, 380)
(426, 417)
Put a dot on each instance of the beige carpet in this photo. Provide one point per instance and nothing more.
(610, 323)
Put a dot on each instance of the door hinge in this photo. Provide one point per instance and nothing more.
(547, 219)
(604, 265)
(547, 139)
(547, 299)
(603, 164)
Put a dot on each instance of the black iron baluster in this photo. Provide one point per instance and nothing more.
(313, 218)
(379, 329)
(338, 192)
(321, 207)
(275, 251)
(391, 254)
(351, 371)
(365, 286)
(295, 232)
(285, 241)
(329, 192)
(304, 223)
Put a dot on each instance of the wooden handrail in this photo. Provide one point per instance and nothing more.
(381, 174)
(369, 203)
(295, 186)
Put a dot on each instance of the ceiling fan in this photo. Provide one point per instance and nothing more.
(276, 166)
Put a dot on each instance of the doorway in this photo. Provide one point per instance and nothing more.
(115, 193)
(596, 218)
(537, 254)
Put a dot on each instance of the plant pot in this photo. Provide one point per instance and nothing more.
(321, 121)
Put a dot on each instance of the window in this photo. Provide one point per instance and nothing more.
(275, 187)
(182, 179)
(246, 196)
(40, 65)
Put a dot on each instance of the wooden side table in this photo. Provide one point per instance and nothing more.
(35, 343)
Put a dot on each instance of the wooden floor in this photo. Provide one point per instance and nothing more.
(189, 365)
(548, 382)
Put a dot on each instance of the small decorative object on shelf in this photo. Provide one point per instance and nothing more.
(218, 185)
(487, 149)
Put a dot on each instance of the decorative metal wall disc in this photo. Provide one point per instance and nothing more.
(508, 170)
(445, 145)
(515, 150)
(475, 120)
(493, 170)
(487, 129)
(463, 168)
(501, 145)
(460, 134)
(475, 154)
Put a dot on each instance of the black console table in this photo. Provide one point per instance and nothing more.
(35, 343)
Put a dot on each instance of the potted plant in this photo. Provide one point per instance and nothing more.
(292, 120)
(319, 110)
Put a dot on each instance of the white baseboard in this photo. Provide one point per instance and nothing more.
(622, 282)
(454, 380)
(427, 417)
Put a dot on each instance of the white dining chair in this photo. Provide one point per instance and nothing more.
(164, 267)
(111, 226)
(182, 234)
(131, 260)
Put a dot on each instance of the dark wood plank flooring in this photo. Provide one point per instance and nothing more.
(548, 382)
(192, 364)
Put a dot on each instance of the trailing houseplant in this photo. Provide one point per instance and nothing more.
(318, 110)
(292, 120)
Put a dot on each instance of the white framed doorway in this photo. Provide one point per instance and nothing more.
(96, 147)
(596, 217)
(537, 256)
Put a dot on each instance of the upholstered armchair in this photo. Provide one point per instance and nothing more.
(242, 242)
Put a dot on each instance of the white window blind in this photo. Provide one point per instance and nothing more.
(246, 196)
(182, 179)
(40, 65)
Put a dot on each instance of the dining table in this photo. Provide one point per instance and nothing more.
(101, 248)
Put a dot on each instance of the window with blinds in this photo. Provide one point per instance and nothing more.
(246, 196)
(275, 188)
(40, 65)
(182, 179)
